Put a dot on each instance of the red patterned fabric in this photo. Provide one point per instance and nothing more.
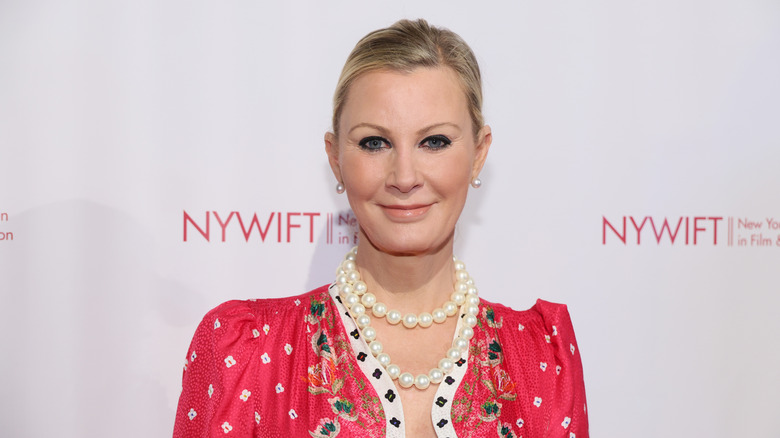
(294, 367)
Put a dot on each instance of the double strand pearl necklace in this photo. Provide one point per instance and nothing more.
(355, 296)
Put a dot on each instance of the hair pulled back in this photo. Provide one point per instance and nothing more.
(405, 46)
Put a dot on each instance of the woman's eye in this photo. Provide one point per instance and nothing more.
(373, 143)
(436, 142)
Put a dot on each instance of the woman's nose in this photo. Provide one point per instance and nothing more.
(404, 174)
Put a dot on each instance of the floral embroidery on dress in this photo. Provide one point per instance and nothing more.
(490, 318)
(505, 430)
(328, 376)
(327, 428)
(490, 411)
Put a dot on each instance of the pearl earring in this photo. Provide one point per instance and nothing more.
(476, 183)
(340, 188)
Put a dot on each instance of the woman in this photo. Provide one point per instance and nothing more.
(400, 344)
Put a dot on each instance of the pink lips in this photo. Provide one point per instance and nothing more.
(406, 212)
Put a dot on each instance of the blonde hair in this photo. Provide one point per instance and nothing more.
(405, 46)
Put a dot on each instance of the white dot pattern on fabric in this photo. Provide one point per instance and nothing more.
(226, 427)
(229, 361)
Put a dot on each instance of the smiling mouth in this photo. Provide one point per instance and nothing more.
(407, 212)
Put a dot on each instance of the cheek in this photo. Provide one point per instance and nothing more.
(360, 176)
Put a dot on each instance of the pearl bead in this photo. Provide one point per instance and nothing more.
(422, 381)
(461, 287)
(453, 353)
(410, 320)
(363, 321)
(472, 290)
(368, 299)
(460, 266)
(472, 310)
(458, 298)
(348, 265)
(446, 365)
(379, 310)
(435, 375)
(346, 289)
(462, 275)
(449, 307)
(350, 256)
(466, 333)
(460, 343)
(470, 320)
(406, 380)
(350, 300)
(393, 371)
(439, 316)
(369, 334)
(425, 320)
(471, 299)
(384, 359)
(393, 317)
(341, 278)
(375, 347)
(353, 276)
(357, 309)
(360, 287)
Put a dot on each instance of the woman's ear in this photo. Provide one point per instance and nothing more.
(484, 139)
(332, 149)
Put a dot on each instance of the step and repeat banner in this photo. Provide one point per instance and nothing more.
(160, 157)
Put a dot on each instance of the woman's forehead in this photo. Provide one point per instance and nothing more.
(390, 98)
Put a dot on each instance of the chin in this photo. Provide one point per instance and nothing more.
(402, 244)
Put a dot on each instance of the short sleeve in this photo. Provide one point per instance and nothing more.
(569, 416)
(217, 384)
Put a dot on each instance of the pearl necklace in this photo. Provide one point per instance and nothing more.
(357, 299)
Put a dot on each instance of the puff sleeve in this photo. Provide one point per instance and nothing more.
(568, 415)
(218, 383)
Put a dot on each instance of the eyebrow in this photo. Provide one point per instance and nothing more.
(422, 131)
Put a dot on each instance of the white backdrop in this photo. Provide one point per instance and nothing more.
(118, 118)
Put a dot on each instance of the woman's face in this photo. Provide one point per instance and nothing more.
(406, 154)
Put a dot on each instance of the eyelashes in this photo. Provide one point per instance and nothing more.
(433, 142)
(373, 143)
(436, 142)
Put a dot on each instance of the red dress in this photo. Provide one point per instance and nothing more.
(298, 367)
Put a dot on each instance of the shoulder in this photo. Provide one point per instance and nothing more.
(274, 308)
(544, 324)
(544, 313)
(237, 320)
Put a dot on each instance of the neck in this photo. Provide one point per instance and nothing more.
(410, 283)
